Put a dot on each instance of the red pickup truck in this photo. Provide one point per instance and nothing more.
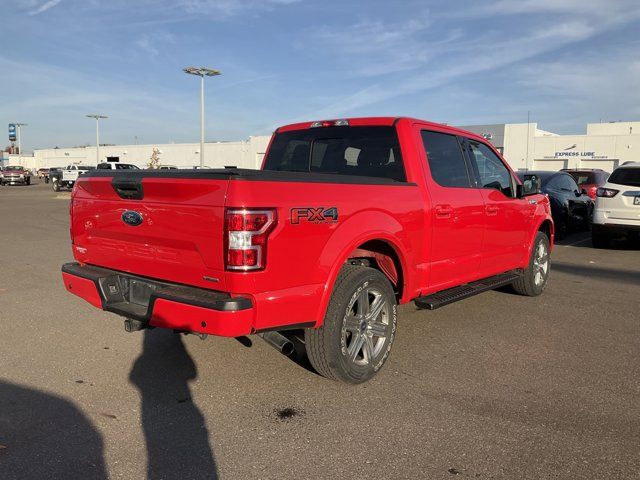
(346, 220)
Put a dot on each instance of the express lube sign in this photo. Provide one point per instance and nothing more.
(577, 153)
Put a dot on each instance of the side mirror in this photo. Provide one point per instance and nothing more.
(530, 186)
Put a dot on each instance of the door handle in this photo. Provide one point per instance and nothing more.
(492, 211)
(443, 211)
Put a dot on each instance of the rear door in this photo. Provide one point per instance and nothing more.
(507, 218)
(457, 213)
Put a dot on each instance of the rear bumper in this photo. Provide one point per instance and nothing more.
(613, 228)
(160, 304)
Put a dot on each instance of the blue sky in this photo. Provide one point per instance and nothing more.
(569, 62)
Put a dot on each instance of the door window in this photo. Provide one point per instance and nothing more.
(491, 172)
(446, 162)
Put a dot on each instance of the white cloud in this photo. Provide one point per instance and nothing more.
(229, 8)
(152, 43)
(468, 52)
(395, 47)
(44, 7)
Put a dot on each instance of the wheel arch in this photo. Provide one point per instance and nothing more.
(385, 246)
(546, 226)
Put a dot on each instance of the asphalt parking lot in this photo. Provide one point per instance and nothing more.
(496, 386)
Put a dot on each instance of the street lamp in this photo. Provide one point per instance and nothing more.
(97, 117)
(18, 125)
(201, 72)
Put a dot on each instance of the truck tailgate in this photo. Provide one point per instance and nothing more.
(172, 228)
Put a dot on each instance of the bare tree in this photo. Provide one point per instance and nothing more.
(154, 160)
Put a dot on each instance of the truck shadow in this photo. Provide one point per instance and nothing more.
(583, 240)
(610, 274)
(45, 436)
(175, 431)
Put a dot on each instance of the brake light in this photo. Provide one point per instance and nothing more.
(591, 190)
(246, 233)
(606, 192)
(329, 123)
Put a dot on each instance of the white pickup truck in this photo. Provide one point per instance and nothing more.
(67, 178)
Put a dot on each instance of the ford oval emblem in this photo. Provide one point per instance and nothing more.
(132, 218)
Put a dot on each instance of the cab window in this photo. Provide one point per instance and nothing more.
(490, 170)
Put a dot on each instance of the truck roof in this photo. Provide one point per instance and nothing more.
(374, 121)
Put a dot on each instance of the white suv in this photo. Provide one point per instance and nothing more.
(617, 210)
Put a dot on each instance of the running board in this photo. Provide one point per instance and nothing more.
(445, 297)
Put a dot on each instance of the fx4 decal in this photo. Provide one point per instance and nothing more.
(314, 215)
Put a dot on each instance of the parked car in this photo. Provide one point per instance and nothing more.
(167, 167)
(617, 210)
(67, 177)
(117, 166)
(42, 172)
(345, 220)
(589, 179)
(49, 172)
(15, 175)
(571, 207)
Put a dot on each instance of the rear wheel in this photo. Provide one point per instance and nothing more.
(535, 276)
(56, 185)
(359, 327)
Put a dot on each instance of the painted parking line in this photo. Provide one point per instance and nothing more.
(578, 242)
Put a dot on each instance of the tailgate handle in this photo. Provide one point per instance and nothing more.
(128, 189)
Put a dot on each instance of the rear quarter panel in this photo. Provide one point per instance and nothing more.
(303, 258)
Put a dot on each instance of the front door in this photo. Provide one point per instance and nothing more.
(457, 212)
(508, 219)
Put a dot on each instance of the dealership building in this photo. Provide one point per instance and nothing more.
(525, 146)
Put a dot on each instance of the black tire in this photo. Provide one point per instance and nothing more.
(46, 179)
(599, 240)
(528, 284)
(28, 181)
(331, 346)
(56, 186)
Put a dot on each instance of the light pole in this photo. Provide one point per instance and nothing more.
(97, 117)
(18, 125)
(201, 72)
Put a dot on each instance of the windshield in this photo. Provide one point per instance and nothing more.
(366, 151)
(626, 176)
(13, 168)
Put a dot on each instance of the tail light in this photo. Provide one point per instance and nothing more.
(246, 233)
(71, 219)
(606, 192)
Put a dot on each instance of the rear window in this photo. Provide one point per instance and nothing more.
(626, 176)
(365, 151)
(583, 177)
